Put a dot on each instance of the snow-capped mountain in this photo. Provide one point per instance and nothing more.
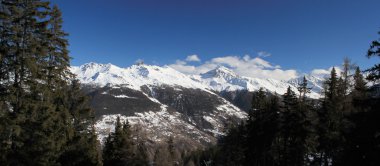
(314, 82)
(133, 77)
(218, 79)
(161, 100)
(224, 79)
(165, 102)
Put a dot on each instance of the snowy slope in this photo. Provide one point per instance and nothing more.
(219, 79)
(133, 77)
(314, 82)
(182, 109)
(158, 126)
(223, 79)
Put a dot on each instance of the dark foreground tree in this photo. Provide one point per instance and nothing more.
(119, 148)
(330, 121)
(373, 51)
(295, 136)
(363, 145)
(261, 127)
(39, 115)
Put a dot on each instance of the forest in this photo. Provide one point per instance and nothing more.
(45, 118)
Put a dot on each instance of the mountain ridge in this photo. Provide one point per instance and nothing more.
(219, 79)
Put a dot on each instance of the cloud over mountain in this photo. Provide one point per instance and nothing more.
(325, 72)
(193, 58)
(248, 66)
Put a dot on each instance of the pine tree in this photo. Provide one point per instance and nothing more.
(118, 148)
(374, 50)
(57, 58)
(291, 154)
(162, 156)
(330, 121)
(347, 67)
(261, 127)
(289, 105)
(357, 137)
(134, 151)
(258, 104)
(174, 156)
(295, 138)
(32, 111)
(36, 113)
(359, 92)
(82, 150)
(363, 145)
(233, 147)
(82, 146)
(303, 89)
(345, 86)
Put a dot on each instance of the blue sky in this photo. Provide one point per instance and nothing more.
(298, 34)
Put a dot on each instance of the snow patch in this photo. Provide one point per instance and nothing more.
(124, 96)
(159, 125)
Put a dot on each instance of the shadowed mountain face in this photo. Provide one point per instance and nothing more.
(192, 114)
(117, 100)
(240, 98)
(192, 104)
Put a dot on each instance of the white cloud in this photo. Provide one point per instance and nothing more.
(139, 61)
(320, 72)
(193, 58)
(255, 67)
(183, 68)
(179, 62)
(264, 54)
(325, 72)
(244, 66)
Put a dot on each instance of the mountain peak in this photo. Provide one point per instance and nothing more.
(145, 70)
(96, 67)
(220, 71)
(94, 64)
(224, 69)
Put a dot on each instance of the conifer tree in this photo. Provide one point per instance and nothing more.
(118, 148)
(359, 92)
(32, 111)
(174, 156)
(363, 145)
(288, 130)
(345, 86)
(261, 127)
(82, 146)
(346, 73)
(162, 156)
(303, 89)
(258, 104)
(289, 106)
(233, 147)
(36, 115)
(296, 130)
(330, 121)
(374, 50)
